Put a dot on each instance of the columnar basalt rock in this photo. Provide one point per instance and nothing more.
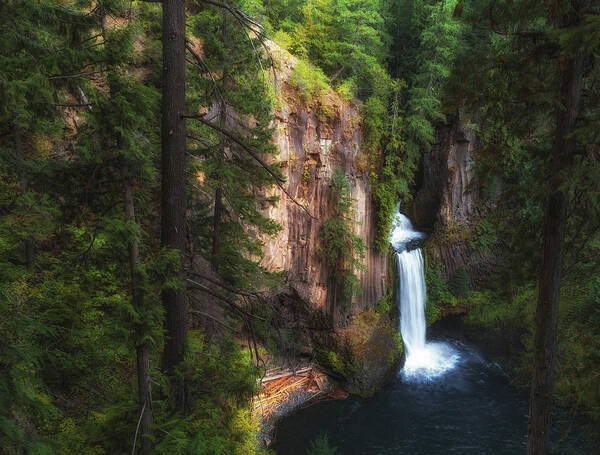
(312, 145)
(449, 201)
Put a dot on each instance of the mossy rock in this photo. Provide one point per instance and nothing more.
(368, 352)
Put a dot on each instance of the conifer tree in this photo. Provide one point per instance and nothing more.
(126, 111)
(535, 68)
(38, 52)
(342, 249)
(232, 86)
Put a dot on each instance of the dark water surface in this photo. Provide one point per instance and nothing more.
(471, 409)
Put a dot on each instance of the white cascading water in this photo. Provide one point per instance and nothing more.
(424, 360)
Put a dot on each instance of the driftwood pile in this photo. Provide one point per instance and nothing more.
(285, 388)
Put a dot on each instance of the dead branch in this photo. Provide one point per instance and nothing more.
(223, 286)
(138, 428)
(70, 76)
(201, 63)
(199, 286)
(217, 320)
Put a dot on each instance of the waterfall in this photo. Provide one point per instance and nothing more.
(411, 284)
(424, 361)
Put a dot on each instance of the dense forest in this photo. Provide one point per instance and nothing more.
(141, 172)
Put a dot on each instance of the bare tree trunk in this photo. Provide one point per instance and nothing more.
(28, 245)
(173, 197)
(143, 349)
(538, 438)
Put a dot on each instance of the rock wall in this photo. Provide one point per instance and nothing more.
(448, 203)
(314, 139)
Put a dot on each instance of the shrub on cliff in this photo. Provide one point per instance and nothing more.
(309, 81)
(342, 249)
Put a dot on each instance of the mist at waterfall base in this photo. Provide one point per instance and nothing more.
(447, 399)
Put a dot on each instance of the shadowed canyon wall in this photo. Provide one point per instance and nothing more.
(449, 203)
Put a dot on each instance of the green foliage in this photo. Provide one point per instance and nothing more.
(221, 381)
(320, 446)
(400, 117)
(439, 295)
(517, 309)
(513, 102)
(385, 304)
(333, 361)
(432, 33)
(460, 283)
(228, 220)
(393, 165)
(579, 345)
(309, 81)
(483, 236)
(345, 39)
(517, 137)
(341, 248)
(512, 315)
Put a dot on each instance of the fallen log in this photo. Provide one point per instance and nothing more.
(285, 374)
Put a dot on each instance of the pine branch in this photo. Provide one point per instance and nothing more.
(223, 286)
(69, 76)
(278, 180)
(74, 105)
(200, 287)
(200, 62)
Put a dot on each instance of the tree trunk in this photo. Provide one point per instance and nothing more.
(137, 300)
(219, 207)
(145, 396)
(143, 349)
(538, 438)
(173, 197)
(216, 237)
(28, 246)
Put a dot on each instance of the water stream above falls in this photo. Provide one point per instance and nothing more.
(446, 399)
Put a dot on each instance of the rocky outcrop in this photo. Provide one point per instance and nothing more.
(449, 203)
(313, 140)
(369, 350)
(448, 191)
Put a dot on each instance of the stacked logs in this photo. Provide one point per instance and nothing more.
(286, 387)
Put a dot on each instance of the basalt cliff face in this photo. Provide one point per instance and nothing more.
(449, 203)
(314, 139)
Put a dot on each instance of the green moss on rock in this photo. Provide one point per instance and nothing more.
(366, 352)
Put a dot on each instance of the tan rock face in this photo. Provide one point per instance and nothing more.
(312, 145)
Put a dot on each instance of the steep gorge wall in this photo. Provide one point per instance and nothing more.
(313, 142)
(449, 203)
